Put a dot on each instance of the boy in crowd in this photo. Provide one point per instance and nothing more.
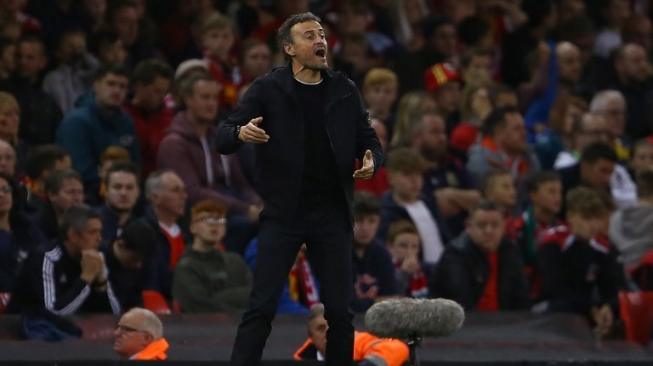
(545, 193)
(208, 279)
(642, 159)
(380, 88)
(405, 200)
(217, 41)
(405, 247)
(372, 264)
(499, 188)
(579, 272)
(482, 269)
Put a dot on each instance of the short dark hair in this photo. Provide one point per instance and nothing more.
(430, 24)
(283, 33)
(147, 71)
(121, 166)
(490, 176)
(115, 5)
(497, 119)
(5, 43)
(365, 204)
(187, 84)
(55, 180)
(105, 70)
(598, 151)
(101, 40)
(468, 56)
(42, 158)
(645, 142)
(66, 33)
(405, 160)
(472, 29)
(485, 205)
(76, 218)
(32, 38)
(139, 237)
(587, 202)
(535, 181)
(645, 183)
(401, 227)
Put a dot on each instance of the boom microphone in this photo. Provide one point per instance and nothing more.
(414, 318)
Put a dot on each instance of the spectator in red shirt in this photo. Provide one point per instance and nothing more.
(151, 82)
(481, 269)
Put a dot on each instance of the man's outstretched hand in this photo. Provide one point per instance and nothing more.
(367, 170)
(252, 133)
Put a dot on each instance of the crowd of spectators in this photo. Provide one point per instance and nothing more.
(518, 137)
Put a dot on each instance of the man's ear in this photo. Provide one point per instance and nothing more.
(289, 48)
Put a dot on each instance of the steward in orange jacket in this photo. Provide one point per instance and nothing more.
(368, 348)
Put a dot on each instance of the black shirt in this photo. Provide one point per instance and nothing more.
(320, 174)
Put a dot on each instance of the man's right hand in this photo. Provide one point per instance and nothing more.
(251, 132)
(92, 265)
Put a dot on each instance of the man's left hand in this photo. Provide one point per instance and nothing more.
(367, 170)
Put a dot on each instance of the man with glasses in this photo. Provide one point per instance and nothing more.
(139, 336)
(208, 278)
(166, 196)
(481, 269)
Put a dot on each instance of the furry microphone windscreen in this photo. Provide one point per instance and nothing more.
(409, 318)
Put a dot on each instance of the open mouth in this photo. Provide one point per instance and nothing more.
(320, 52)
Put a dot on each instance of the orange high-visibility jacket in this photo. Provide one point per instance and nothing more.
(366, 346)
(154, 351)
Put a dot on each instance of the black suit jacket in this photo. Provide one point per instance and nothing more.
(280, 161)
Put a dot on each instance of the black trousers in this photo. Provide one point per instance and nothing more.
(322, 223)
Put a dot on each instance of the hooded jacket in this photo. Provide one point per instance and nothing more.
(89, 129)
(181, 151)
(631, 233)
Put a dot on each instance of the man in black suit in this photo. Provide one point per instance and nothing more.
(309, 126)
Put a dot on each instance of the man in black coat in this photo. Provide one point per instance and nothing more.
(481, 269)
(310, 125)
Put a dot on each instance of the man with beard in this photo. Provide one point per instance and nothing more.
(445, 176)
(310, 125)
(122, 195)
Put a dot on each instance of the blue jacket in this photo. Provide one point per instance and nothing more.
(88, 130)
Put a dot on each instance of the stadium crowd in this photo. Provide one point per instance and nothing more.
(518, 137)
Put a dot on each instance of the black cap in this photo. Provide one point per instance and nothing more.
(140, 237)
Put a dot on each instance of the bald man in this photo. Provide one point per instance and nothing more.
(139, 336)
